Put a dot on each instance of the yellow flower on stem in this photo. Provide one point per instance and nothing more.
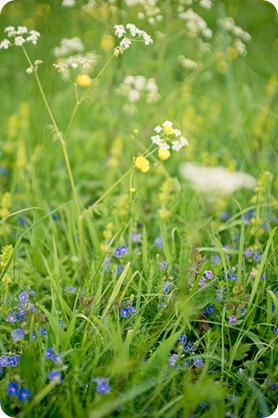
(142, 164)
(163, 154)
(83, 80)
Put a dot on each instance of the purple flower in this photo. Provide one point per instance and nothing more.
(17, 334)
(124, 313)
(102, 386)
(136, 237)
(215, 260)
(159, 242)
(124, 250)
(198, 361)
(11, 318)
(163, 265)
(132, 309)
(257, 256)
(276, 330)
(71, 289)
(32, 307)
(208, 274)
(56, 376)
(248, 252)
(12, 389)
(120, 251)
(172, 360)
(202, 281)
(24, 394)
(57, 358)
(23, 297)
(4, 361)
(232, 319)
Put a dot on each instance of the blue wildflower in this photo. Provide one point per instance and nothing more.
(12, 389)
(102, 386)
(215, 260)
(57, 358)
(257, 256)
(159, 242)
(33, 292)
(132, 309)
(56, 376)
(248, 252)
(124, 313)
(163, 265)
(11, 318)
(210, 309)
(42, 332)
(4, 361)
(166, 287)
(24, 394)
(12, 361)
(182, 339)
(172, 360)
(34, 335)
(198, 361)
(276, 330)
(208, 274)
(49, 352)
(23, 297)
(17, 334)
(136, 237)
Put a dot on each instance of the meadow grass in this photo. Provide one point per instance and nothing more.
(124, 291)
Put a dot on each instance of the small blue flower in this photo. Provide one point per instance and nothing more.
(124, 250)
(49, 353)
(12, 389)
(132, 309)
(34, 335)
(210, 309)
(172, 360)
(32, 307)
(24, 394)
(216, 260)
(11, 318)
(208, 274)
(71, 289)
(23, 297)
(102, 386)
(136, 237)
(257, 256)
(163, 265)
(159, 242)
(166, 287)
(33, 293)
(248, 252)
(56, 376)
(62, 323)
(124, 313)
(17, 334)
(276, 330)
(198, 361)
(43, 332)
(182, 339)
(4, 361)
(57, 358)
(12, 361)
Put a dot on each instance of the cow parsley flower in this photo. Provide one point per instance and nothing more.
(167, 137)
(20, 36)
(126, 34)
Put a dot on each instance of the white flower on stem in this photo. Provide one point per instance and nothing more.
(5, 44)
(68, 3)
(21, 30)
(119, 30)
(19, 41)
(125, 43)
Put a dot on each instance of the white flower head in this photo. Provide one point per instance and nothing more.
(19, 41)
(5, 44)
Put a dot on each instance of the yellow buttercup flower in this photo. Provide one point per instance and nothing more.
(168, 130)
(83, 80)
(164, 154)
(142, 164)
(107, 43)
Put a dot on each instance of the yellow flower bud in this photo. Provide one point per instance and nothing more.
(142, 164)
(135, 132)
(164, 154)
(83, 80)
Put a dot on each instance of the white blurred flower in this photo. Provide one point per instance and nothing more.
(127, 32)
(68, 47)
(19, 41)
(217, 180)
(68, 3)
(20, 35)
(5, 44)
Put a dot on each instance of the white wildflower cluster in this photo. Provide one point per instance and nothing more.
(168, 137)
(18, 36)
(83, 64)
(148, 10)
(68, 3)
(137, 87)
(238, 35)
(127, 33)
(196, 26)
(206, 4)
(187, 63)
(68, 46)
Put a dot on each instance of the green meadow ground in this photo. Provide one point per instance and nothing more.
(128, 293)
